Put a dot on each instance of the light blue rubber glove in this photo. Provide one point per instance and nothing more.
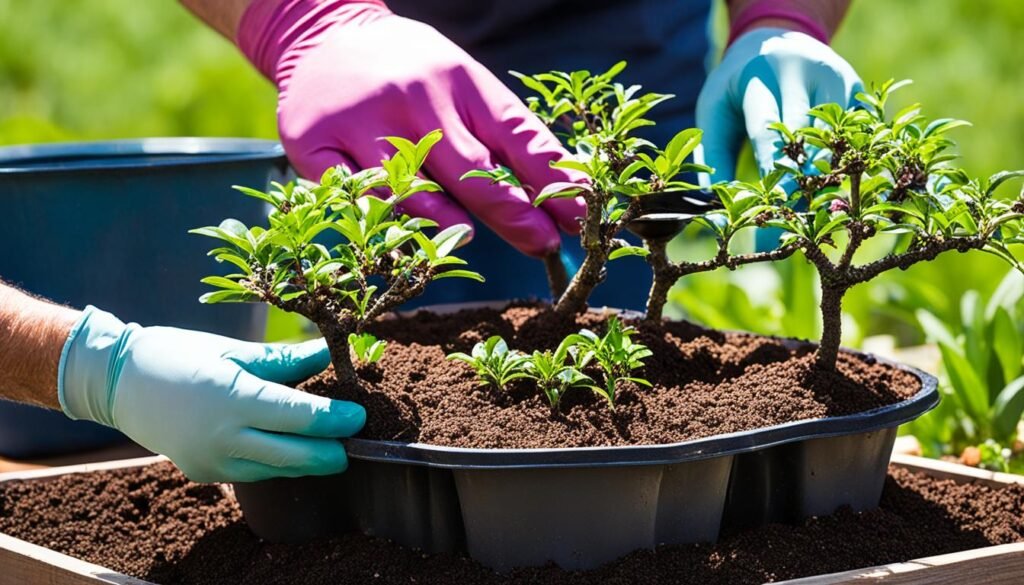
(768, 75)
(212, 404)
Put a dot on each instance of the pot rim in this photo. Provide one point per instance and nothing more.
(876, 419)
(134, 153)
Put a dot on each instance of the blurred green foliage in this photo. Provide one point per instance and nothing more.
(95, 69)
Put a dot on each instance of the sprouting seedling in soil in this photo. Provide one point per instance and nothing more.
(366, 348)
(598, 118)
(860, 174)
(554, 374)
(385, 258)
(615, 353)
(495, 364)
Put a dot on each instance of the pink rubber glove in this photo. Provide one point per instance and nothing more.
(349, 72)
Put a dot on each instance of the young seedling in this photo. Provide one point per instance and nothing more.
(861, 174)
(366, 348)
(615, 353)
(554, 374)
(385, 258)
(495, 364)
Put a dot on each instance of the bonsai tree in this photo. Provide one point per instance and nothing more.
(860, 174)
(383, 260)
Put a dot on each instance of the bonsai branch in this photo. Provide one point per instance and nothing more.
(667, 273)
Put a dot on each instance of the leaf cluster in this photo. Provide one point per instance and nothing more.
(862, 173)
(382, 259)
(599, 117)
(495, 364)
(982, 365)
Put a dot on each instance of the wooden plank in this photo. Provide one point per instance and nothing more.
(23, 563)
(995, 565)
(998, 565)
(960, 473)
(45, 472)
(116, 452)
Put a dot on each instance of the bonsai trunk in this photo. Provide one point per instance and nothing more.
(596, 243)
(832, 326)
(664, 278)
(558, 278)
(574, 300)
(336, 335)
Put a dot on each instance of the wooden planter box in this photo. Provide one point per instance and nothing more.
(22, 563)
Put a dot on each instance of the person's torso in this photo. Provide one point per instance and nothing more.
(665, 42)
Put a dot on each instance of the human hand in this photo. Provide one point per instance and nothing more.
(350, 72)
(768, 75)
(214, 405)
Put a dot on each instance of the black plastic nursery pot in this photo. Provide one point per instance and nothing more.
(105, 223)
(583, 507)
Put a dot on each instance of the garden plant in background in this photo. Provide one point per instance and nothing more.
(384, 259)
(983, 379)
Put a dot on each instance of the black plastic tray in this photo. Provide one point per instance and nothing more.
(582, 507)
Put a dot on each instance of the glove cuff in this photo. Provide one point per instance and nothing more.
(764, 9)
(87, 372)
(269, 28)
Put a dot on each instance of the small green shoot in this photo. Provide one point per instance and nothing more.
(366, 348)
(495, 364)
(554, 374)
(616, 353)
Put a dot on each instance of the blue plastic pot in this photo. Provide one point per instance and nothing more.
(106, 223)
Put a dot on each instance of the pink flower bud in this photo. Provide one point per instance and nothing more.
(838, 205)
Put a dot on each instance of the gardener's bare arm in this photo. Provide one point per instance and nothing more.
(32, 333)
(221, 15)
(828, 13)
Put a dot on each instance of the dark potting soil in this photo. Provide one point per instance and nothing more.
(154, 524)
(705, 383)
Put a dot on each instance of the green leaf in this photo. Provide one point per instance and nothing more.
(1006, 343)
(559, 190)
(501, 174)
(999, 178)
(628, 251)
(227, 296)
(221, 282)
(966, 382)
(935, 329)
(449, 238)
(269, 198)
(459, 274)
(1007, 409)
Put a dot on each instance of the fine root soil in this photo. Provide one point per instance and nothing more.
(705, 383)
(154, 524)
